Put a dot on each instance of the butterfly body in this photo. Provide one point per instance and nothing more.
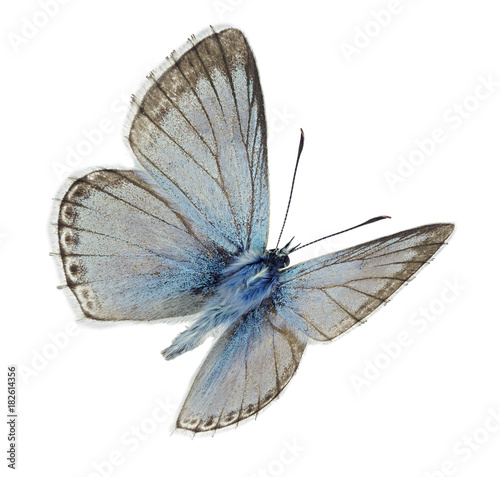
(185, 235)
(246, 283)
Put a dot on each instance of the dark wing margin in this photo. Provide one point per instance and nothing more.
(128, 252)
(248, 367)
(198, 127)
(327, 296)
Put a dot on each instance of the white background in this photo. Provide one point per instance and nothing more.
(81, 399)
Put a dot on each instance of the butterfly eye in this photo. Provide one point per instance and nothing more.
(277, 259)
(282, 261)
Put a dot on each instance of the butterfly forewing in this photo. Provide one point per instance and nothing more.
(200, 131)
(328, 295)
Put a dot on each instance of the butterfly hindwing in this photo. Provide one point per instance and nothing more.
(326, 296)
(129, 253)
(199, 129)
(247, 367)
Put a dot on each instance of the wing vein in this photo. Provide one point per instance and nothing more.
(223, 186)
(164, 201)
(184, 116)
(310, 323)
(230, 78)
(340, 306)
(117, 239)
(180, 190)
(146, 115)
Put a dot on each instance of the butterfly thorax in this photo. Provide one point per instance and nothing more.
(247, 282)
(250, 279)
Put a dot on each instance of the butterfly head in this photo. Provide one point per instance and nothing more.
(279, 257)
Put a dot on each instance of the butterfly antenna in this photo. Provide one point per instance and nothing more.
(371, 221)
(301, 146)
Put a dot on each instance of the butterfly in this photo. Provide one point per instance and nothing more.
(186, 235)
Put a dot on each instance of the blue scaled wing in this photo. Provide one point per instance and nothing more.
(248, 366)
(129, 253)
(150, 245)
(198, 127)
(327, 296)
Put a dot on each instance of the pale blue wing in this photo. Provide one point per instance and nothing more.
(199, 129)
(129, 253)
(326, 296)
(248, 366)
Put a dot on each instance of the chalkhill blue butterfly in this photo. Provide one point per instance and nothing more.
(187, 236)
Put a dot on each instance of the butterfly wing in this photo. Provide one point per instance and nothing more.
(129, 253)
(252, 361)
(133, 250)
(326, 296)
(199, 129)
(248, 366)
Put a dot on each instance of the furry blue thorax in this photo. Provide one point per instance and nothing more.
(249, 280)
